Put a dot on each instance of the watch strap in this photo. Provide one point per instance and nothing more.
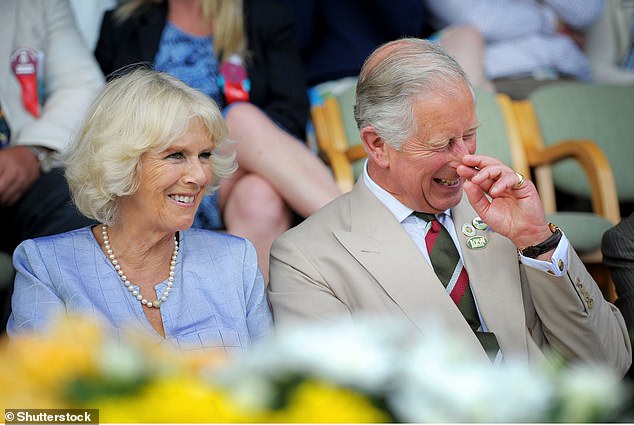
(535, 251)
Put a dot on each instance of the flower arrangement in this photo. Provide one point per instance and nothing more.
(366, 372)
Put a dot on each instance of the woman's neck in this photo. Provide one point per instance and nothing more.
(187, 15)
(144, 256)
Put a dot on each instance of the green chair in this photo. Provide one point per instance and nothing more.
(338, 140)
(498, 135)
(578, 139)
(601, 113)
(502, 134)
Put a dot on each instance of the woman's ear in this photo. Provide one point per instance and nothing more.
(375, 146)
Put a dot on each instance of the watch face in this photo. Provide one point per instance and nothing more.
(45, 157)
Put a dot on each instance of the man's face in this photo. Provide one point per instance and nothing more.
(422, 175)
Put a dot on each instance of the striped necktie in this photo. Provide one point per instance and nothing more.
(448, 266)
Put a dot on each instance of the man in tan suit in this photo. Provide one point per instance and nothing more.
(365, 253)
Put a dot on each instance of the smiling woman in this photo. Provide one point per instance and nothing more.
(145, 156)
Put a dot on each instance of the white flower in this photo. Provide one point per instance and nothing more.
(588, 393)
(423, 378)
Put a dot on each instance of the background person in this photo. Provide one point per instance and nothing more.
(335, 37)
(618, 256)
(527, 42)
(202, 41)
(49, 77)
(144, 158)
(610, 43)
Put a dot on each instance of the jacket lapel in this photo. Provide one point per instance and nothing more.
(379, 242)
(495, 280)
(150, 29)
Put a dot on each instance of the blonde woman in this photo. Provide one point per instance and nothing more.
(142, 162)
(244, 55)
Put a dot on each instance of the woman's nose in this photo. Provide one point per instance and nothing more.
(198, 173)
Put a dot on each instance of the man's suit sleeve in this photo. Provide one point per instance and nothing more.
(296, 289)
(577, 321)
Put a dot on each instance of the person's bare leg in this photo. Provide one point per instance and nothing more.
(254, 210)
(466, 44)
(263, 148)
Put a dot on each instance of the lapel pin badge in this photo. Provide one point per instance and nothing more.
(477, 242)
(468, 230)
(479, 224)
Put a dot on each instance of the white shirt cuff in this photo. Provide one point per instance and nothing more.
(557, 265)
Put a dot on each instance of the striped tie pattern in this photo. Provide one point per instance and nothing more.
(448, 266)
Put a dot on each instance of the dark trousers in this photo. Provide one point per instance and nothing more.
(45, 209)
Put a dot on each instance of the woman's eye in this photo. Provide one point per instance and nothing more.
(205, 155)
(176, 155)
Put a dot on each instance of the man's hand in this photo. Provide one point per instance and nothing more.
(19, 168)
(509, 208)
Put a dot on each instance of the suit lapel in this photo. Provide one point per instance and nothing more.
(379, 242)
(495, 281)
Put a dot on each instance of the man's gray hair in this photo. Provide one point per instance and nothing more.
(393, 77)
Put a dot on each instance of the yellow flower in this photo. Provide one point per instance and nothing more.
(35, 369)
(177, 399)
(319, 401)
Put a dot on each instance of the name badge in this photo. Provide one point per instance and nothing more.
(477, 242)
(26, 65)
(234, 80)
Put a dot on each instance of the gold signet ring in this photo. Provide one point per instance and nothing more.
(520, 180)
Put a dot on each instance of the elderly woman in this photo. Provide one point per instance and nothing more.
(144, 158)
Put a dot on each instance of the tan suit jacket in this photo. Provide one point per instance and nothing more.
(353, 257)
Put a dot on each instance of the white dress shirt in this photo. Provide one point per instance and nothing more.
(417, 229)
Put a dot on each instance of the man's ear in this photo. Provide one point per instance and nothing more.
(375, 146)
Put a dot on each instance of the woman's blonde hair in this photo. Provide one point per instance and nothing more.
(137, 112)
(226, 16)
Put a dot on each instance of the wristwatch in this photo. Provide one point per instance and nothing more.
(44, 157)
(535, 251)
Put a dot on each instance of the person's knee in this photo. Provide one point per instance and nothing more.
(255, 200)
(242, 116)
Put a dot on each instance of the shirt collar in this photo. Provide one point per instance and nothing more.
(400, 211)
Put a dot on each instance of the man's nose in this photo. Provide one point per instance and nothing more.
(459, 149)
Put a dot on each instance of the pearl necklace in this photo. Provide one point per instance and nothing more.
(128, 284)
